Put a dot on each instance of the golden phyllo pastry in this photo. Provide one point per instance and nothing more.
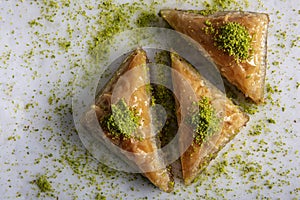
(236, 41)
(123, 110)
(212, 120)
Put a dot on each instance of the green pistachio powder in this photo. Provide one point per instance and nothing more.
(104, 19)
(204, 121)
(43, 184)
(123, 121)
(234, 39)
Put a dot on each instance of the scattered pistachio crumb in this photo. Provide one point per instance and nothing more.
(271, 121)
(147, 19)
(100, 197)
(43, 184)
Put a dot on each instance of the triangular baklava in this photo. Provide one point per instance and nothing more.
(213, 125)
(236, 41)
(123, 110)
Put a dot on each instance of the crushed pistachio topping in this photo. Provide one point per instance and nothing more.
(204, 121)
(43, 184)
(123, 121)
(234, 39)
